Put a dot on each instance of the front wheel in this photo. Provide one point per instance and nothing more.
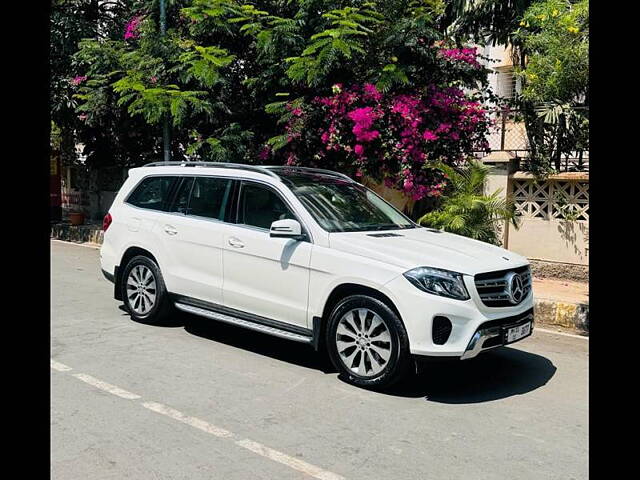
(367, 342)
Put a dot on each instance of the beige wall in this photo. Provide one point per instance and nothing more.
(551, 240)
(554, 217)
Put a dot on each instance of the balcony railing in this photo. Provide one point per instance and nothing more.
(510, 135)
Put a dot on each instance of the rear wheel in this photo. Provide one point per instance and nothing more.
(367, 342)
(143, 290)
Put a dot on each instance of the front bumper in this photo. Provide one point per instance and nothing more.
(493, 334)
(418, 310)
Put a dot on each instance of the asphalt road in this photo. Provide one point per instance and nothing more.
(203, 400)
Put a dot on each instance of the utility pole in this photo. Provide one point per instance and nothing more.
(166, 132)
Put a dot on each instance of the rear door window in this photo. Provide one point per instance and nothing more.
(210, 197)
(181, 201)
(152, 193)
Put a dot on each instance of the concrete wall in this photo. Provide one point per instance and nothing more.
(553, 212)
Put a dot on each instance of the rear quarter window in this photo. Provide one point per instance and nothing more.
(152, 193)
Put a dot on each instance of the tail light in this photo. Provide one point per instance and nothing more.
(106, 221)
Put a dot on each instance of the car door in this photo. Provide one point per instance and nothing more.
(265, 276)
(193, 236)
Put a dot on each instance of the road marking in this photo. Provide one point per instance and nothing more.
(192, 421)
(61, 367)
(561, 333)
(290, 462)
(200, 424)
(95, 246)
(250, 445)
(106, 386)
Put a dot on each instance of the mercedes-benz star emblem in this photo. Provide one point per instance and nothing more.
(515, 287)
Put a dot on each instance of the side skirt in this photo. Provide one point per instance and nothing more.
(244, 319)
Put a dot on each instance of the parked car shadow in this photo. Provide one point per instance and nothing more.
(284, 350)
(493, 375)
(172, 321)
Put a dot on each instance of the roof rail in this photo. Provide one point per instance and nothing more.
(239, 166)
(310, 170)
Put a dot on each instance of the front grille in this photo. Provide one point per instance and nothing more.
(493, 289)
(506, 321)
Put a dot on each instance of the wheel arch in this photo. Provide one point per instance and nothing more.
(340, 292)
(126, 256)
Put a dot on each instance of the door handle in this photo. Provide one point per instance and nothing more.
(169, 230)
(235, 242)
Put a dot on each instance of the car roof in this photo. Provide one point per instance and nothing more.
(273, 171)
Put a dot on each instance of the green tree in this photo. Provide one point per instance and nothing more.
(466, 210)
(227, 67)
(486, 21)
(554, 35)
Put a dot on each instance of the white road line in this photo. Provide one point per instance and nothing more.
(250, 445)
(290, 462)
(61, 367)
(192, 421)
(106, 386)
(95, 246)
(200, 424)
(561, 333)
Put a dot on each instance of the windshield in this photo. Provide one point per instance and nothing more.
(340, 206)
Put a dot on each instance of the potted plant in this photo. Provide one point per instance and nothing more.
(76, 218)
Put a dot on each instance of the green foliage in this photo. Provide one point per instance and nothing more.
(466, 210)
(485, 21)
(555, 36)
(153, 103)
(204, 64)
(225, 67)
(345, 38)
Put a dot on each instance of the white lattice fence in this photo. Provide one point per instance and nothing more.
(554, 217)
(552, 199)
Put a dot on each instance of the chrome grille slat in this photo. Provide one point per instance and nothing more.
(492, 289)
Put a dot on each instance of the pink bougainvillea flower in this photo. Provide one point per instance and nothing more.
(429, 135)
(466, 55)
(131, 29)
(395, 125)
(264, 152)
(77, 80)
(372, 92)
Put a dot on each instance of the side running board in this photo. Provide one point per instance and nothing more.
(241, 322)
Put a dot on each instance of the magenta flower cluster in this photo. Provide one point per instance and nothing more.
(466, 55)
(390, 137)
(131, 29)
(77, 80)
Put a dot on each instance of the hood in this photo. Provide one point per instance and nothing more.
(425, 247)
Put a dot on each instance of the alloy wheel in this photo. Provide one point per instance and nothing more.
(141, 289)
(363, 342)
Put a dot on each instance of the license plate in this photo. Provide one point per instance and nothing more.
(516, 333)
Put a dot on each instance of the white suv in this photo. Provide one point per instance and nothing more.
(312, 256)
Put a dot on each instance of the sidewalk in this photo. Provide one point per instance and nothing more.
(558, 304)
(561, 304)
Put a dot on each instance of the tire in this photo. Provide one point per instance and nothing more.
(149, 302)
(365, 346)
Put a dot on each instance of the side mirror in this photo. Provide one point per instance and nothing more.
(287, 228)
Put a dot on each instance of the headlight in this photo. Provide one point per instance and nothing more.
(438, 282)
